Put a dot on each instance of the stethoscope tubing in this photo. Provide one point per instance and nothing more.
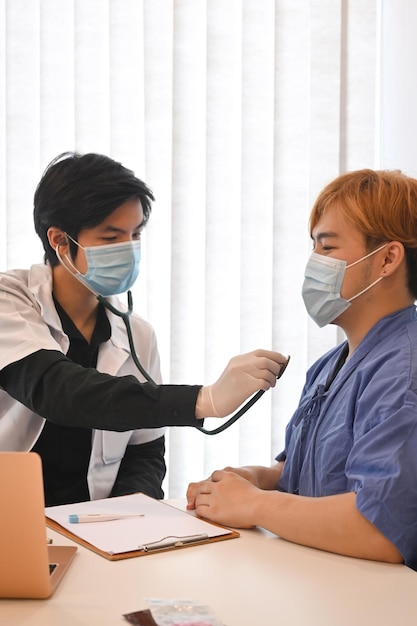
(125, 315)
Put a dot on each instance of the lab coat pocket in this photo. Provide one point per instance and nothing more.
(113, 445)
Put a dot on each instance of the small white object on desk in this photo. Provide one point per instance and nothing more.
(98, 517)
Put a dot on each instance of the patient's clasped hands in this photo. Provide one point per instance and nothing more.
(220, 497)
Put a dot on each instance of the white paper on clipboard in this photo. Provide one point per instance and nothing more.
(160, 526)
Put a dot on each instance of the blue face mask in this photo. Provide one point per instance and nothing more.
(111, 268)
(323, 279)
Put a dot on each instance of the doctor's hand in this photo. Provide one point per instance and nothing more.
(226, 498)
(244, 375)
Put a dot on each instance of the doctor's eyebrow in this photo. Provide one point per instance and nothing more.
(120, 231)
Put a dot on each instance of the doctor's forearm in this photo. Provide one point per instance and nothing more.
(65, 393)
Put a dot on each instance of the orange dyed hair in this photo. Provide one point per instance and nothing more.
(381, 204)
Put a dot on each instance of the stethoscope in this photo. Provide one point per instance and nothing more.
(125, 315)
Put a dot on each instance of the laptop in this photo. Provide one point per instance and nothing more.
(30, 568)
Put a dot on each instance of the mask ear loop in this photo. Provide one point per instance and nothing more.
(375, 281)
(71, 266)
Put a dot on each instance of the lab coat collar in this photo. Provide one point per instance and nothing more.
(40, 285)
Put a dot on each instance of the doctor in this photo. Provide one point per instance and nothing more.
(346, 481)
(69, 389)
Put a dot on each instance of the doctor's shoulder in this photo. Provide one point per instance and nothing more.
(27, 286)
(15, 283)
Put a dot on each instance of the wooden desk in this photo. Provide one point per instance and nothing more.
(256, 580)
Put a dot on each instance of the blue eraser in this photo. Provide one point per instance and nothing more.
(73, 519)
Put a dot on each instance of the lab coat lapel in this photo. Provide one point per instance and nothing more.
(115, 352)
(108, 448)
(40, 284)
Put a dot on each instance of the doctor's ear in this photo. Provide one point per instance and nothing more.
(56, 237)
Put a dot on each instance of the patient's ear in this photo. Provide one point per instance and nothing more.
(394, 255)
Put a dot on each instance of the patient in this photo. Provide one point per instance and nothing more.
(346, 481)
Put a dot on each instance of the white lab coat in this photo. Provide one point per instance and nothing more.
(30, 322)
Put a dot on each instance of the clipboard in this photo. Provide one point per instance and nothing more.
(144, 526)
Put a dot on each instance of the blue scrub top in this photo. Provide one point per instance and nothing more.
(360, 434)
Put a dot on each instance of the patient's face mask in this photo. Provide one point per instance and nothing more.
(323, 279)
(111, 268)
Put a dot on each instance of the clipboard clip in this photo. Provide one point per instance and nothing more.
(173, 541)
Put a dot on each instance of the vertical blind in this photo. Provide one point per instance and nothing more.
(236, 113)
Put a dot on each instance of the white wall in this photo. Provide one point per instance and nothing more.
(398, 87)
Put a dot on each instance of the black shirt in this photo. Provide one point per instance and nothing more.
(74, 396)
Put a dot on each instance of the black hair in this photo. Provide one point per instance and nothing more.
(79, 191)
